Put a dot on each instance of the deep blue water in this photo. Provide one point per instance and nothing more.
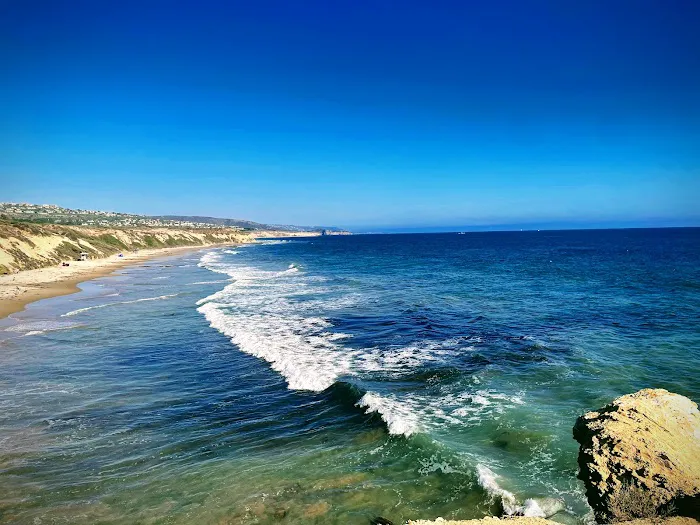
(334, 379)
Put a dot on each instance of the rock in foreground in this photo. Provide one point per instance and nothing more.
(640, 455)
(542, 521)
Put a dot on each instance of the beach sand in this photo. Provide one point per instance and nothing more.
(19, 289)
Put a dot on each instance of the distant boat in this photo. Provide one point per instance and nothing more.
(461, 233)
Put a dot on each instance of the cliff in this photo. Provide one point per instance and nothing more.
(25, 246)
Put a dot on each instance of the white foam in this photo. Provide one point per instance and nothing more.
(219, 281)
(40, 327)
(399, 418)
(435, 464)
(272, 242)
(531, 507)
(81, 310)
(256, 312)
(399, 359)
(261, 313)
(487, 478)
(541, 507)
(306, 358)
(482, 403)
(209, 261)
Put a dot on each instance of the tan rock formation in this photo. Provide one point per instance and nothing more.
(542, 521)
(643, 448)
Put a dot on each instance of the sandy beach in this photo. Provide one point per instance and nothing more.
(19, 289)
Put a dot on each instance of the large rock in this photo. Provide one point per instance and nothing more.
(641, 455)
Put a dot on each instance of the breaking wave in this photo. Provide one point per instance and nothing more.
(399, 418)
(282, 317)
(285, 317)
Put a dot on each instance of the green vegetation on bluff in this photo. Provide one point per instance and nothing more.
(26, 245)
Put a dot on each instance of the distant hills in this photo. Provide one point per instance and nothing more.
(242, 223)
(52, 214)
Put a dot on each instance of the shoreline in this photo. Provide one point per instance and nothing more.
(29, 286)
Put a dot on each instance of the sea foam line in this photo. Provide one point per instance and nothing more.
(81, 310)
(219, 281)
(258, 313)
(41, 327)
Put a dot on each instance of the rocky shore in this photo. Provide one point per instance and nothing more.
(641, 455)
(639, 459)
(520, 520)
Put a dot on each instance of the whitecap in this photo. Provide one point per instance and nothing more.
(488, 480)
(261, 314)
(272, 242)
(306, 357)
(399, 418)
(257, 313)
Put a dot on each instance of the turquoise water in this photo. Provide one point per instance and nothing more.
(332, 380)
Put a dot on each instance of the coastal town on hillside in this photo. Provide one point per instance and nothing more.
(53, 214)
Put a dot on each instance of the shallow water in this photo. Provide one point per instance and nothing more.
(335, 379)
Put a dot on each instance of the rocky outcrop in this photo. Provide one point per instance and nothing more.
(542, 521)
(640, 456)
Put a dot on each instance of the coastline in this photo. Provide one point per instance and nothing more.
(163, 360)
(20, 289)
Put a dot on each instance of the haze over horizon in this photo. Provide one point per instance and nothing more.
(360, 115)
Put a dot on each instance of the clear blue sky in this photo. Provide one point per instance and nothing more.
(365, 114)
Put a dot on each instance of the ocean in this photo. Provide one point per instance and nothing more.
(337, 379)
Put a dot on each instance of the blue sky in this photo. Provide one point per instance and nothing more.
(364, 114)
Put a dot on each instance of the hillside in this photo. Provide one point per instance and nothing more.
(52, 214)
(26, 246)
(242, 223)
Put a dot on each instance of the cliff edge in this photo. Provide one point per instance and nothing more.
(640, 456)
